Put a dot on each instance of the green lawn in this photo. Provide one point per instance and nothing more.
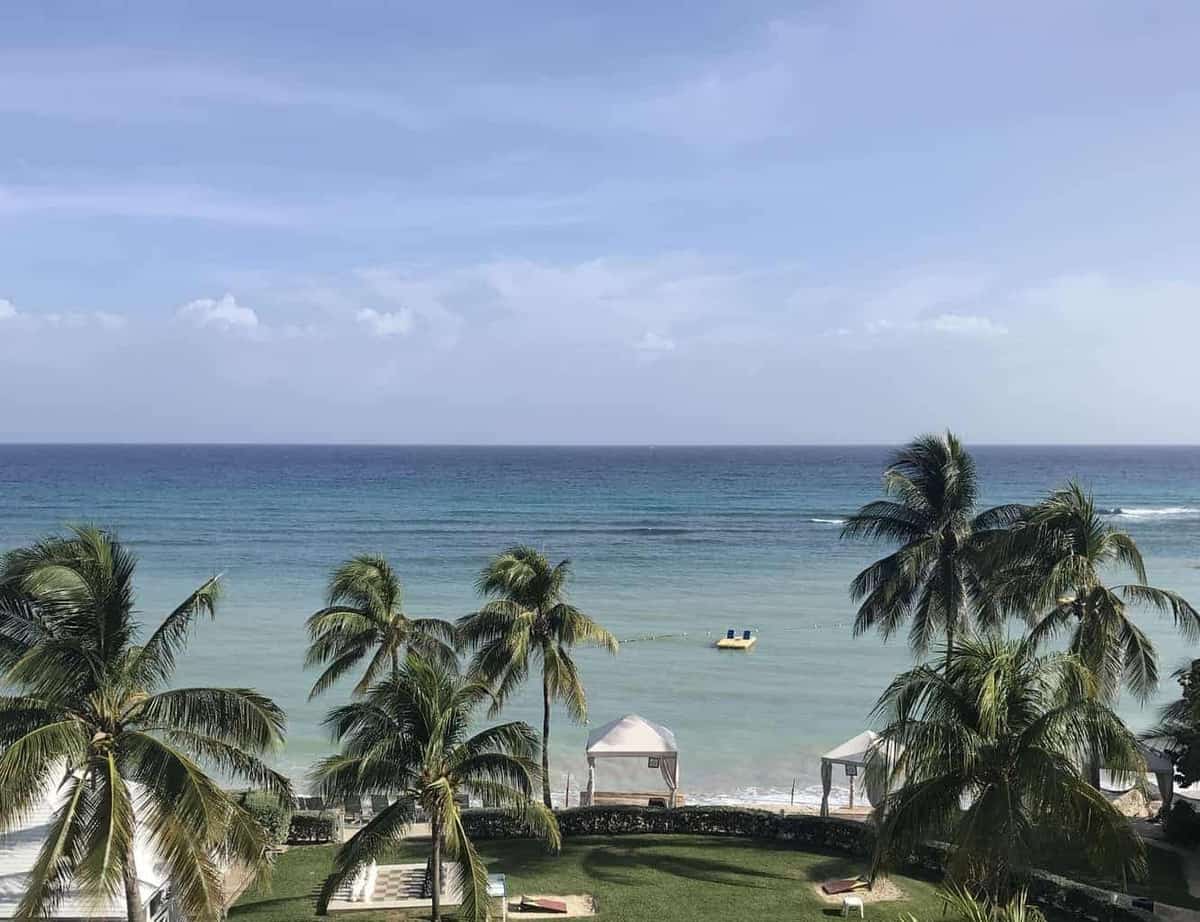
(664, 878)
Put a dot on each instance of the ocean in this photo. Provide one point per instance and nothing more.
(670, 547)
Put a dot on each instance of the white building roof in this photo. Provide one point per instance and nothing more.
(631, 735)
(19, 850)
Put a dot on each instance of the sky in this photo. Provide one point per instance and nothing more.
(624, 223)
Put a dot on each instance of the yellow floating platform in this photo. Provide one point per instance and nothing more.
(736, 643)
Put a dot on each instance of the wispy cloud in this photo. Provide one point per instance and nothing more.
(966, 325)
(35, 320)
(654, 344)
(144, 201)
(101, 84)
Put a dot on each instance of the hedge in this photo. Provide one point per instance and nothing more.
(311, 828)
(809, 833)
(273, 816)
(1182, 825)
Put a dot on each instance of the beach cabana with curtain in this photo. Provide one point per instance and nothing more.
(634, 737)
(852, 756)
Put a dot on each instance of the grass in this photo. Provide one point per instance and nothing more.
(665, 878)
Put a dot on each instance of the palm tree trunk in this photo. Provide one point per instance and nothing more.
(435, 871)
(545, 738)
(134, 911)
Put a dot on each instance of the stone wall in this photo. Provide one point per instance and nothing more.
(806, 831)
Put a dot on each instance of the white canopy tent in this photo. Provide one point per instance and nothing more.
(1158, 764)
(852, 755)
(634, 737)
(21, 845)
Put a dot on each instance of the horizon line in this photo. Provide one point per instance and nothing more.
(556, 445)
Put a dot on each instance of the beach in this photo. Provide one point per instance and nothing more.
(671, 547)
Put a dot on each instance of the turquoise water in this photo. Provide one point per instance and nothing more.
(678, 541)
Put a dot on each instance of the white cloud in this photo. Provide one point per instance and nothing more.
(386, 323)
(59, 319)
(966, 325)
(653, 343)
(222, 314)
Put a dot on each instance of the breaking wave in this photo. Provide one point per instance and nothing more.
(1154, 512)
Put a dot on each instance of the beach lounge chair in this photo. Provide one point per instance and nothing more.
(379, 803)
(730, 634)
(843, 885)
(555, 906)
(745, 635)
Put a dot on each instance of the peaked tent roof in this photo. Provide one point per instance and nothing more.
(855, 750)
(631, 735)
(19, 849)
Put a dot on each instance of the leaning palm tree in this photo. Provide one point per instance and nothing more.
(408, 738)
(529, 620)
(1059, 555)
(986, 753)
(938, 575)
(94, 722)
(365, 619)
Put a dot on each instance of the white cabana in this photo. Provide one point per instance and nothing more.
(21, 845)
(634, 737)
(1158, 764)
(852, 755)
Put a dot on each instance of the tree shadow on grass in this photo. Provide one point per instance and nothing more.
(834, 866)
(614, 864)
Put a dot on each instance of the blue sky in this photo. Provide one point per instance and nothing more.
(742, 222)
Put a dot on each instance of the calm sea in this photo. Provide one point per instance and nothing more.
(677, 542)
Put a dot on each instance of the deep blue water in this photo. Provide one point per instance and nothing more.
(679, 541)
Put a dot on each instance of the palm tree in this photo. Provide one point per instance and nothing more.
(1178, 727)
(964, 905)
(1003, 729)
(408, 737)
(1059, 555)
(365, 619)
(528, 619)
(938, 575)
(93, 717)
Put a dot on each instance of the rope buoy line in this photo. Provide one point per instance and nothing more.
(642, 637)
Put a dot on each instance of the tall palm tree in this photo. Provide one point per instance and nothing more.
(1003, 729)
(1060, 553)
(365, 619)
(94, 717)
(528, 619)
(408, 737)
(938, 575)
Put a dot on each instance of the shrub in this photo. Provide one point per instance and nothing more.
(273, 816)
(311, 828)
(1182, 825)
